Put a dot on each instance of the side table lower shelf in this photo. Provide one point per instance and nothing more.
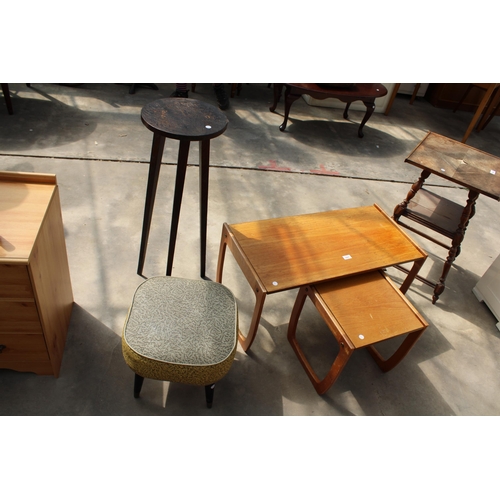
(440, 215)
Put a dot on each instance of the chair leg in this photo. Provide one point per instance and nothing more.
(209, 393)
(138, 385)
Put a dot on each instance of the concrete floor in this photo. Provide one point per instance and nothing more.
(92, 138)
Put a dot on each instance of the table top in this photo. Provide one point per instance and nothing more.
(180, 118)
(369, 308)
(24, 198)
(459, 163)
(293, 251)
(358, 90)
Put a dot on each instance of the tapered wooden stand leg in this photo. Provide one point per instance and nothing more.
(204, 179)
(179, 188)
(154, 172)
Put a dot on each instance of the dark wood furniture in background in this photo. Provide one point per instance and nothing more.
(8, 100)
(365, 92)
(471, 168)
(185, 120)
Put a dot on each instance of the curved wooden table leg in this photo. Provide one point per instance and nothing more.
(389, 363)
(370, 107)
(346, 111)
(277, 90)
(246, 342)
(289, 100)
(260, 293)
(345, 352)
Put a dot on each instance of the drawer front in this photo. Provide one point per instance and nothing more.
(19, 317)
(15, 282)
(24, 352)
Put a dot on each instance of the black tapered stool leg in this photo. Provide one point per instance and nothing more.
(138, 380)
(204, 179)
(179, 188)
(209, 393)
(154, 173)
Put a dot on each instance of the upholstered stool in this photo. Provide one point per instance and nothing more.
(360, 311)
(181, 330)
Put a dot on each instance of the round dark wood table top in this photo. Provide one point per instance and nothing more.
(186, 119)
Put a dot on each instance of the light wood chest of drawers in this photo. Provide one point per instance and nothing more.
(36, 298)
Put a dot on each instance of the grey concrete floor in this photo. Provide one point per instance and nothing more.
(92, 138)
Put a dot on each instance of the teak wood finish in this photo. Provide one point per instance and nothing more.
(360, 311)
(185, 120)
(365, 92)
(36, 298)
(471, 168)
(284, 253)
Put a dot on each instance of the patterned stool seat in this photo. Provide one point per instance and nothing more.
(181, 330)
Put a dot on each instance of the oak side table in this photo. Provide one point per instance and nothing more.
(471, 168)
(36, 298)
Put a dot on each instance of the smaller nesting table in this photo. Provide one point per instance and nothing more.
(365, 92)
(360, 311)
(185, 120)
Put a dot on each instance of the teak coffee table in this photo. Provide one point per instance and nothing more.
(288, 252)
(471, 168)
(365, 92)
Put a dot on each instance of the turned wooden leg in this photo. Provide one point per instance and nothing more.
(400, 209)
(467, 214)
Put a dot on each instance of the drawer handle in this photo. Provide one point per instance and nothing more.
(2, 347)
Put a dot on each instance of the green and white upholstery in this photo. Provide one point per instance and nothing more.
(181, 330)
